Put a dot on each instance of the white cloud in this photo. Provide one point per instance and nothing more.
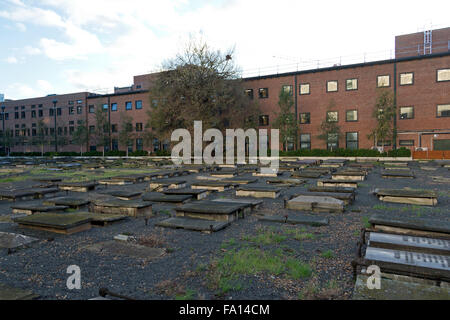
(12, 60)
(21, 27)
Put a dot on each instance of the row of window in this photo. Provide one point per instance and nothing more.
(115, 145)
(128, 106)
(405, 79)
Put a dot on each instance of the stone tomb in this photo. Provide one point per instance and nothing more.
(315, 204)
(332, 189)
(64, 223)
(258, 191)
(126, 249)
(307, 174)
(101, 219)
(268, 173)
(78, 186)
(333, 163)
(410, 226)
(15, 241)
(348, 198)
(223, 174)
(418, 197)
(397, 174)
(213, 185)
(240, 180)
(163, 184)
(30, 209)
(132, 208)
(206, 226)
(123, 194)
(286, 181)
(337, 183)
(255, 204)
(170, 198)
(27, 194)
(396, 164)
(10, 293)
(352, 175)
(197, 194)
(214, 210)
(71, 202)
(297, 219)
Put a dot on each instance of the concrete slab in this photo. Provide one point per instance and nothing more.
(258, 191)
(170, 198)
(132, 208)
(253, 202)
(315, 204)
(202, 225)
(332, 189)
(288, 181)
(71, 202)
(30, 209)
(337, 183)
(64, 223)
(10, 293)
(397, 174)
(126, 249)
(122, 194)
(297, 219)
(213, 210)
(194, 193)
(213, 185)
(348, 198)
(15, 241)
(409, 196)
(78, 186)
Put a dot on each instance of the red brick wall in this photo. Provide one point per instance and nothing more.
(412, 44)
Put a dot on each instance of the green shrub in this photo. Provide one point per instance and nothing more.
(140, 153)
(401, 152)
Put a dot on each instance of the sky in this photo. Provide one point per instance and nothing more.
(65, 46)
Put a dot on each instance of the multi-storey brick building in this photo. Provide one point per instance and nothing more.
(418, 78)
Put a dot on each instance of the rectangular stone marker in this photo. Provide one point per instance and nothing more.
(126, 249)
(401, 169)
(258, 191)
(202, 225)
(240, 181)
(15, 241)
(214, 210)
(132, 208)
(194, 193)
(64, 223)
(253, 202)
(397, 174)
(213, 185)
(17, 195)
(428, 168)
(101, 219)
(409, 243)
(349, 175)
(30, 209)
(222, 174)
(410, 196)
(164, 184)
(47, 179)
(209, 178)
(411, 226)
(315, 204)
(297, 219)
(331, 189)
(348, 198)
(392, 289)
(270, 174)
(71, 202)
(288, 181)
(78, 186)
(114, 182)
(396, 164)
(10, 293)
(337, 183)
(429, 265)
(123, 194)
(441, 179)
(307, 174)
(170, 198)
(134, 178)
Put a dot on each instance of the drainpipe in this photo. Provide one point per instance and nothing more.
(394, 138)
(296, 111)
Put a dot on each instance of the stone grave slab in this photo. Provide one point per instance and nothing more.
(297, 219)
(392, 289)
(163, 184)
(214, 210)
(253, 202)
(101, 219)
(15, 241)
(397, 174)
(10, 293)
(114, 182)
(409, 243)
(47, 179)
(315, 204)
(14, 195)
(307, 174)
(170, 198)
(396, 164)
(349, 175)
(240, 180)
(426, 168)
(409, 196)
(78, 186)
(402, 169)
(213, 185)
(133, 178)
(30, 209)
(318, 169)
(348, 198)
(207, 226)
(126, 249)
(331, 189)
(194, 193)
(430, 266)
(285, 181)
(411, 226)
(266, 173)
(440, 179)
(71, 202)
(223, 174)
(132, 208)
(337, 183)
(209, 178)
(64, 223)
(151, 176)
(287, 168)
(122, 194)
(258, 191)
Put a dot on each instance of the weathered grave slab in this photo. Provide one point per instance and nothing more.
(349, 175)
(253, 202)
(194, 193)
(78, 186)
(10, 293)
(163, 184)
(267, 173)
(258, 191)
(122, 194)
(47, 179)
(440, 179)
(426, 168)
(210, 178)
(409, 243)
(297, 219)
(348, 198)
(30, 209)
(337, 183)
(15, 241)
(134, 178)
(240, 180)
(223, 174)
(101, 219)
(331, 189)
(315, 204)
(213, 185)
(214, 210)
(307, 174)
(132, 208)
(14, 195)
(114, 182)
(64, 223)
(126, 249)
(71, 202)
(396, 164)
(202, 225)
(409, 196)
(397, 174)
(286, 181)
(170, 198)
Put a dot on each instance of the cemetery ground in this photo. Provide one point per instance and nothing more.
(249, 259)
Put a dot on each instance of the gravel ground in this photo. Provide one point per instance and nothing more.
(187, 266)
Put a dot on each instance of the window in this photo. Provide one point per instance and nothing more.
(443, 75)
(114, 128)
(384, 143)
(138, 127)
(92, 148)
(58, 111)
(304, 88)
(71, 110)
(383, 81)
(305, 141)
(114, 107)
(443, 110)
(155, 102)
(71, 130)
(332, 116)
(51, 112)
(406, 143)
(33, 113)
(406, 112)
(79, 109)
(79, 101)
(16, 115)
(351, 115)
(22, 114)
(305, 118)
(91, 109)
(263, 93)
(406, 78)
(332, 86)
(351, 84)
(71, 123)
(138, 104)
(249, 93)
(139, 144)
(128, 105)
(91, 129)
(70, 102)
(351, 140)
(287, 89)
(332, 141)
(6, 116)
(115, 144)
(105, 107)
(264, 120)
(60, 130)
(40, 113)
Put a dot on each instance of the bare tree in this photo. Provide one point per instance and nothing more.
(384, 112)
(329, 129)
(286, 121)
(81, 136)
(126, 131)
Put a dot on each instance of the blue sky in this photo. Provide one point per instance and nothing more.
(62, 46)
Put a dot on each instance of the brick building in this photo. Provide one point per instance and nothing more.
(418, 77)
